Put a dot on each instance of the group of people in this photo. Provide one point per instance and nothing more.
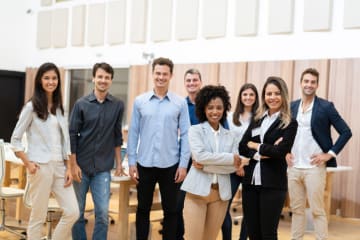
(193, 148)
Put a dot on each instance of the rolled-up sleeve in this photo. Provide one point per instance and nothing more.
(22, 125)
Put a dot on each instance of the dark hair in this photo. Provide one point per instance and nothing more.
(311, 71)
(285, 114)
(39, 98)
(239, 109)
(163, 61)
(193, 71)
(105, 66)
(208, 93)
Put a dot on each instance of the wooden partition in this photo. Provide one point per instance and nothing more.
(233, 76)
(344, 87)
(258, 72)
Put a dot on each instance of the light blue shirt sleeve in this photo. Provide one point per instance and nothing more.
(184, 125)
(133, 137)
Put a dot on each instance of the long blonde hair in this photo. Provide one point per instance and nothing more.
(285, 114)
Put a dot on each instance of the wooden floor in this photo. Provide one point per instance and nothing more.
(339, 228)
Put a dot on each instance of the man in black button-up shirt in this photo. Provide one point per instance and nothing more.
(96, 139)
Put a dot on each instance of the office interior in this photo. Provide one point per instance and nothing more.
(231, 42)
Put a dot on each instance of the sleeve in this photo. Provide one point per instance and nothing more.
(133, 136)
(243, 148)
(118, 126)
(24, 122)
(341, 127)
(284, 147)
(75, 126)
(184, 125)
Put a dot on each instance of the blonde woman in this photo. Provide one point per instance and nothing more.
(266, 143)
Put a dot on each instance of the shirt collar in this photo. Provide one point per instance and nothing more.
(275, 115)
(92, 97)
(310, 106)
(153, 95)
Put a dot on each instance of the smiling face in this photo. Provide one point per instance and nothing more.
(273, 99)
(248, 98)
(49, 81)
(309, 84)
(102, 80)
(214, 111)
(192, 83)
(161, 77)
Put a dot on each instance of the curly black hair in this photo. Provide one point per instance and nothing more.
(207, 94)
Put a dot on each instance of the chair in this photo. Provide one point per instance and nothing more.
(8, 193)
(53, 208)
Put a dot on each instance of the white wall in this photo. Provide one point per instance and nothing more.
(17, 34)
(18, 44)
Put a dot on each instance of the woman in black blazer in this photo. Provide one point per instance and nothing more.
(266, 143)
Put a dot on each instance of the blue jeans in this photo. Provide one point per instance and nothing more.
(226, 228)
(99, 185)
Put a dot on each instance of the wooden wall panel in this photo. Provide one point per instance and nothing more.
(258, 72)
(233, 76)
(209, 75)
(344, 86)
(322, 65)
(138, 84)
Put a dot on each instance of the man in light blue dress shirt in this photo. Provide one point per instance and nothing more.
(158, 148)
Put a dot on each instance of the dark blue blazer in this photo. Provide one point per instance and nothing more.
(324, 115)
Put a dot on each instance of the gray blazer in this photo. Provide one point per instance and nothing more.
(202, 146)
(37, 134)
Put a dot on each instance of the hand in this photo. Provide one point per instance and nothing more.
(76, 173)
(197, 165)
(68, 178)
(245, 161)
(320, 158)
(240, 172)
(253, 145)
(237, 161)
(32, 167)
(290, 159)
(119, 171)
(180, 174)
(134, 174)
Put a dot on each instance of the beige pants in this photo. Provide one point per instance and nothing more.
(203, 216)
(50, 178)
(310, 184)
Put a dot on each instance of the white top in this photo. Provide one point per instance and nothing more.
(265, 124)
(238, 131)
(304, 144)
(216, 139)
(54, 137)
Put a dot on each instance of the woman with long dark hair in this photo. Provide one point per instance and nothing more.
(266, 142)
(246, 105)
(46, 159)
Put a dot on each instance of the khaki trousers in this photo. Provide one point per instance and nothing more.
(307, 184)
(203, 216)
(50, 178)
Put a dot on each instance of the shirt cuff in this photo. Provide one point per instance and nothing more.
(331, 152)
(258, 148)
(257, 156)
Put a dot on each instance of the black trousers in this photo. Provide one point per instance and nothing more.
(262, 209)
(148, 177)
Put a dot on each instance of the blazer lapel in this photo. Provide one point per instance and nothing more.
(314, 112)
(209, 135)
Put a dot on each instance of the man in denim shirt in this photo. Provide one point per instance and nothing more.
(158, 149)
(96, 139)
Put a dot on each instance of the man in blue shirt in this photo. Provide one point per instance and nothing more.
(96, 139)
(192, 83)
(158, 149)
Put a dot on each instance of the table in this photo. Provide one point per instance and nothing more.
(125, 182)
